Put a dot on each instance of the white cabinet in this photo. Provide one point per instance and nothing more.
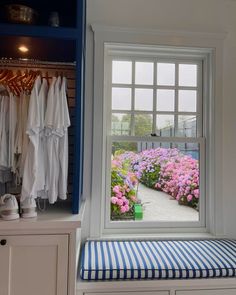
(34, 264)
(207, 292)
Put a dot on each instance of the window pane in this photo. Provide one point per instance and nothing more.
(120, 124)
(122, 72)
(187, 101)
(121, 98)
(189, 148)
(165, 125)
(187, 126)
(143, 99)
(124, 146)
(165, 100)
(142, 124)
(158, 180)
(165, 74)
(187, 75)
(144, 73)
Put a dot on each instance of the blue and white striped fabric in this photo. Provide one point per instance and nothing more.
(114, 260)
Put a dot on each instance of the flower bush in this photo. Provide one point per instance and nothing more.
(163, 169)
(180, 179)
(123, 186)
(147, 164)
(170, 171)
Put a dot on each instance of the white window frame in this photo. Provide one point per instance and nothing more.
(155, 54)
(195, 46)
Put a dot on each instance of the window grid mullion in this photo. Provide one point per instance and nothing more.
(154, 97)
(167, 87)
(199, 100)
(132, 99)
(176, 98)
(158, 112)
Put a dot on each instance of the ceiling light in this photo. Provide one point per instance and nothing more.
(23, 48)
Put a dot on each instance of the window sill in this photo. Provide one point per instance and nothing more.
(160, 236)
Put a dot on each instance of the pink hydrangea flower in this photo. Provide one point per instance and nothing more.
(116, 189)
(196, 193)
(189, 198)
(119, 202)
(123, 209)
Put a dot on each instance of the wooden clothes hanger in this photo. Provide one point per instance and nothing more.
(30, 85)
(6, 75)
(14, 77)
(18, 82)
(3, 73)
(13, 83)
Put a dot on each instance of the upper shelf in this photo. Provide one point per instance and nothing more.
(66, 11)
(38, 31)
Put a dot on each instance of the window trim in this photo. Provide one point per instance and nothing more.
(195, 41)
(197, 58)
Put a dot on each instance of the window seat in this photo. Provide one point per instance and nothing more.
(128, 260)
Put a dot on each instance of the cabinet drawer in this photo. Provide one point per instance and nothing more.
(207, 292)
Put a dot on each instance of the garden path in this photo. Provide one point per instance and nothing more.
(159, 206)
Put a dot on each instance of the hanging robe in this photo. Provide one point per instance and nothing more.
(63, 143)
(31, 162)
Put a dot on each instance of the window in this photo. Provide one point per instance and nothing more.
(154, 137)
(148, 96)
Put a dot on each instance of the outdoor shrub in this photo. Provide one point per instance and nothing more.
(169, 170)
(180, 179)
(164, 169)
(123, 186)
(147, 164)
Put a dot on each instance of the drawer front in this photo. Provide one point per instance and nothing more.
(207, 292)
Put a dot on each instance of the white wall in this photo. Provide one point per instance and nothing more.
(186, 15)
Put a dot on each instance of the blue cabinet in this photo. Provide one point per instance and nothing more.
(65, 43)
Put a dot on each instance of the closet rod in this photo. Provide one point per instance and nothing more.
(34, 62)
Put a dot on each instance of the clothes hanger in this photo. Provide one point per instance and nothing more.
(16, 76)
(34, 77)
(31, 77)
(3, 73)
(4, 80)
(23, 79)
(12, 83)
(6, 76)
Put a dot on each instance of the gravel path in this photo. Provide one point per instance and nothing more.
(159, 206)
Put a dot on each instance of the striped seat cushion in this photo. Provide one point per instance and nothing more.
(114, 260)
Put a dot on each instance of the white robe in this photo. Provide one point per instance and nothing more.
(41, 168)
(52, 140)
(25, 138)
(4, 131)
(33, 127)
(63, 143)
(12, 130)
